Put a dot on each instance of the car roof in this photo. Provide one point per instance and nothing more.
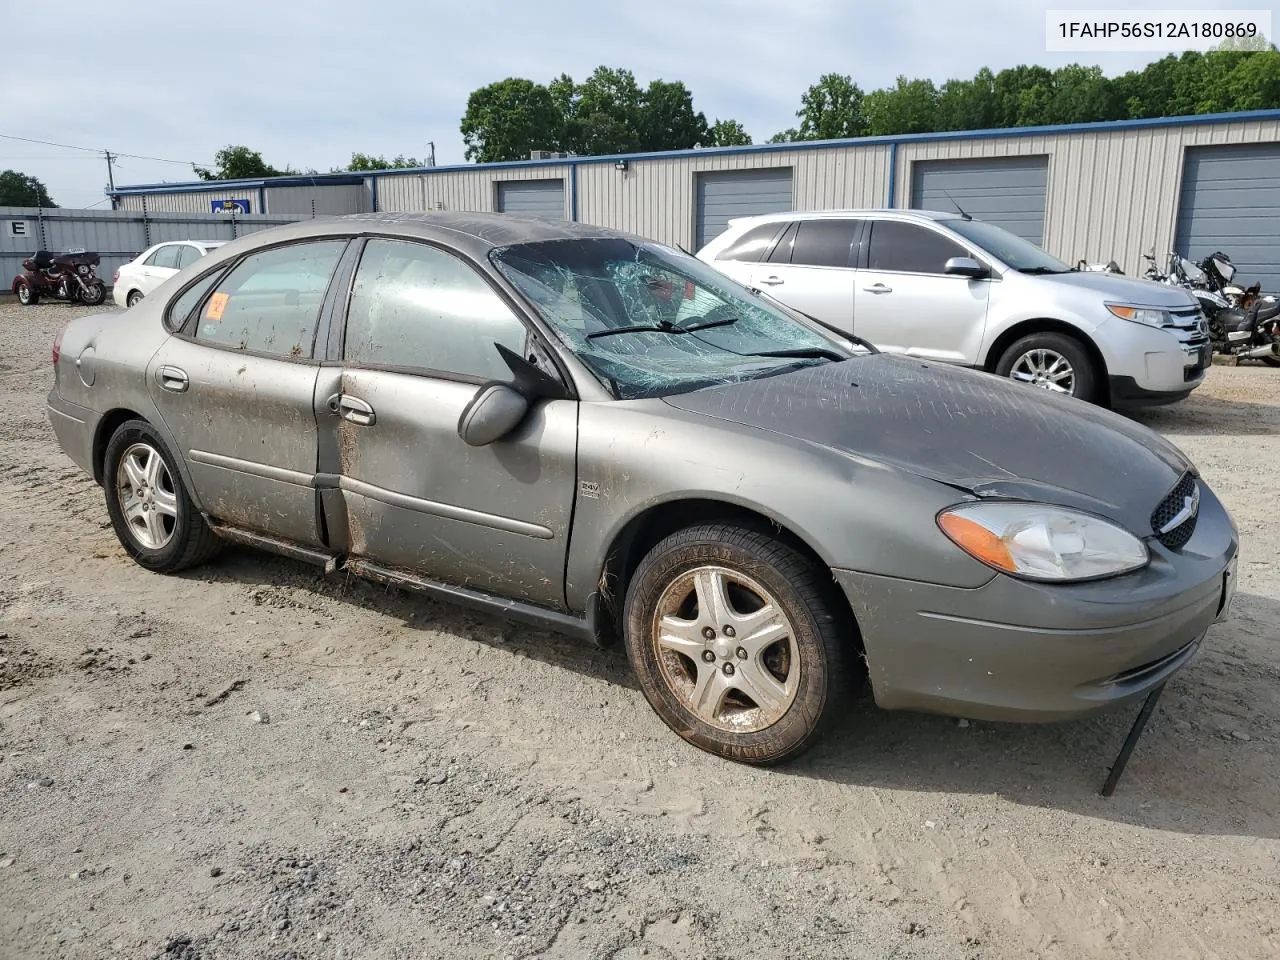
(848, 212)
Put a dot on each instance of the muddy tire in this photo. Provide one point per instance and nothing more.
(26, 295)
(1054, 362)
(149, 507)
(737, 643)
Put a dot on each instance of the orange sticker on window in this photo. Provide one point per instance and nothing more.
(217, 303)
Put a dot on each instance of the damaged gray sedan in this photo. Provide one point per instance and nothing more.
(582, 429)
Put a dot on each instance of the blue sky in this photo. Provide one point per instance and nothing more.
(308, 84)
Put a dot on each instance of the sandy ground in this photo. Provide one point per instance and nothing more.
(252, 761)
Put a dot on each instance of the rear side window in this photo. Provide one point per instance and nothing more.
(166, 256)
(782, 252)
(824, 243)
(416, 306)
(909, 248)
(270, 302)
(752, 245)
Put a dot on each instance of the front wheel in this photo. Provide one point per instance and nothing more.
(27, 296)
(1051, 361)
(736, 642)
(152, 514)
(94, 293)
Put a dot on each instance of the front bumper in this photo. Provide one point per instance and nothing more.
(1013, 650)
(1148, 366)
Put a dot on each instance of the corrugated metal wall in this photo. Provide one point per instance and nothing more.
(195, 202)
(1112, 193)
(655, 198)
(469, 190)
(329, 201)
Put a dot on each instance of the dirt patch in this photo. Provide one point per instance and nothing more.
(254, 760)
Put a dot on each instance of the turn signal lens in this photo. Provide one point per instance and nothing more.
(1148, 316)
(1041, 541)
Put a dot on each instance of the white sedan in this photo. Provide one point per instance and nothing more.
(154, 266)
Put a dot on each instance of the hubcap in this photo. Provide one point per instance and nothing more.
(1046, 369)
(726, 649)
(147, 496)
(24, 294)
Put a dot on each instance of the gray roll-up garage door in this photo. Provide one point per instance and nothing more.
(1231, 202)
(532, 198)
(728, 194)
(1008, 192)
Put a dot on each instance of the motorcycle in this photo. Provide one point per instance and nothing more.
(70, 276)
(1243, 324)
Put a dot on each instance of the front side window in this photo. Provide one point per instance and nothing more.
(1020, 254)
(910, 248)
(752, 245)
(270, 301)
(416, 306)
(651, 322)
(188, 255)
(823, 243)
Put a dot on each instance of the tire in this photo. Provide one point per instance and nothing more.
(96, 293)
(1271, 361)
(1051, 361)
(26, 296)
(808, 662)
(132, 299)
(139, 471)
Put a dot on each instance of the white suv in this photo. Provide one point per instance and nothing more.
(946, 287)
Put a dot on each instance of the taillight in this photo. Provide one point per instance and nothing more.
(57, 346)
(115, 278)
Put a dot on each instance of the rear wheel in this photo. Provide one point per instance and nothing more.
(26, 296)
(1051, 361)
(149, 507)
(736, 642)
(94, 293)
(132, 299)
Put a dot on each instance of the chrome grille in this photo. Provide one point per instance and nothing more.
(1183, 501)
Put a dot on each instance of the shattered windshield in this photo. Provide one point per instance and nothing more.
(651, 322)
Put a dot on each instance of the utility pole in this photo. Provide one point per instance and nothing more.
(431, 161)
(111, 179)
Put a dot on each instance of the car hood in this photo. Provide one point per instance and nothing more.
(969, 430)
(1124, 289)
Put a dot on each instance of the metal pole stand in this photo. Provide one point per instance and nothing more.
(1131, 741)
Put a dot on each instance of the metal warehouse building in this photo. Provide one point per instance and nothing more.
(1095, 191)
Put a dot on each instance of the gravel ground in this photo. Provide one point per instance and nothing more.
(251, 760)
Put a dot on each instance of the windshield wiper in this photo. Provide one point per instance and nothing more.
(800, 353)
(665, 326)
(1040, 271)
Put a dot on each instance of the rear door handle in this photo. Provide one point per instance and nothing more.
(353, 409)
(771, 281)
(878, 288)
(173, 379)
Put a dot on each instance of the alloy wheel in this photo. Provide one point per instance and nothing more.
(726, 649)
(1046, 369)
(147, 496)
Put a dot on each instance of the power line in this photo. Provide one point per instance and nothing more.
(99, 151)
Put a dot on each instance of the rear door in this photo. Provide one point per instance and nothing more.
(419, 341)
(811, 269)
(905, 303)
(236, 387)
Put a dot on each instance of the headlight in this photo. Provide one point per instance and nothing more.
(1151, 316)
(1042, 542)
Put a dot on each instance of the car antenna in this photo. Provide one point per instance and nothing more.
(957, 206)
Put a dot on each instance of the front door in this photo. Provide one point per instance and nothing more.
(905, 303)
(419, 342)
(236, 389)
(810, 269)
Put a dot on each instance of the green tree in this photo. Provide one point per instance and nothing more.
(910, 106)
(20, 190)
(831, 109)
(1081, 95)
(508, 119)
(666, 119)
(361, 162)
(728, 133)
(239, 163)
(968, 104)
(1022, 95)
(605, 113)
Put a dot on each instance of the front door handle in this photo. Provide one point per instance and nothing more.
(878, 288)
(173, 379)
(355, 410)
(772, 281)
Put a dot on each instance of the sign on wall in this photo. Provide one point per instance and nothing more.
(229, 206)
(20, 228)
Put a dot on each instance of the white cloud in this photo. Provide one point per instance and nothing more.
(309, 84)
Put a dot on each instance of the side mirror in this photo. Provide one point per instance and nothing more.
(965, 267)
(493, 412)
